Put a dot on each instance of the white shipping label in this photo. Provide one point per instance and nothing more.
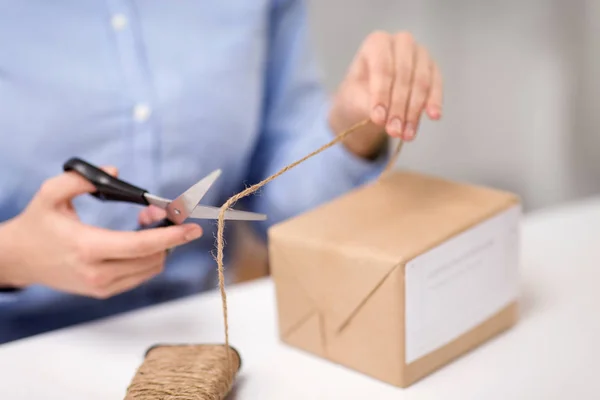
(462, 282)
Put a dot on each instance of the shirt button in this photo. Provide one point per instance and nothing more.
(119, 21)
(141, 112)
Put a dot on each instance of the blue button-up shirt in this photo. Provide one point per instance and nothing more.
(167, 91)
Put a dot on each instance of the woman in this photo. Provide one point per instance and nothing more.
(167, 92)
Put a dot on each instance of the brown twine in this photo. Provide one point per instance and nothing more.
(254, 188)
(185, 372)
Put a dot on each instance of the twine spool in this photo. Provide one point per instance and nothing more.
(185, 372)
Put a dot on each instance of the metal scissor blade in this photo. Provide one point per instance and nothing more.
(182, 207)
(157, 201)
(208, 212)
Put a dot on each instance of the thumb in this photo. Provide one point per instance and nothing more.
(66, 186)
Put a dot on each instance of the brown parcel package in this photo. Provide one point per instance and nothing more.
(398, 277)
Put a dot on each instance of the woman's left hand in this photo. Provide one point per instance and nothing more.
(392, 80)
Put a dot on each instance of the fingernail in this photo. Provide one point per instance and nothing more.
(194, 232)
(395, 127)
(434, 112)
(379, 113)
(409, 132)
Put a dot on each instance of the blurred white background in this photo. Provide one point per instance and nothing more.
(521, 87)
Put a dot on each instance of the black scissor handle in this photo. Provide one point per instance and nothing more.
(108, 187)
(159, 224)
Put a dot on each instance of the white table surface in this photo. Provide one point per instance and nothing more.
(553, 353)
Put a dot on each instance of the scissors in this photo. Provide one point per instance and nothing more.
(186, 205)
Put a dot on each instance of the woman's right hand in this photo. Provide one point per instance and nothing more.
(48, 245)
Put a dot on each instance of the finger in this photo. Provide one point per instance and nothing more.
(134, 281)
(151, 214)
(434, 102)
(421, 84)
(129, 282)
(113, 171)
(378, 56)
(66, 186)
(404, 49)
(108, 244)
(102, 276)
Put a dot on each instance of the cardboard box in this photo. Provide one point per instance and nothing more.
(400, 276)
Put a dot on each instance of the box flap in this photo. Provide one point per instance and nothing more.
(308, 335)
(335, 286)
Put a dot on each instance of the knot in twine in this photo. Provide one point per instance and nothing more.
(254, 188)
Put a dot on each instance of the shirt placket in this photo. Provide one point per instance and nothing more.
(136, 72)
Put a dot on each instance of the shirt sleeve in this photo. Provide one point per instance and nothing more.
(9, 294)
(295, 123)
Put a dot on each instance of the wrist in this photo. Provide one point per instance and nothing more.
(369, 151)
(9, 266)
(367, 143)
